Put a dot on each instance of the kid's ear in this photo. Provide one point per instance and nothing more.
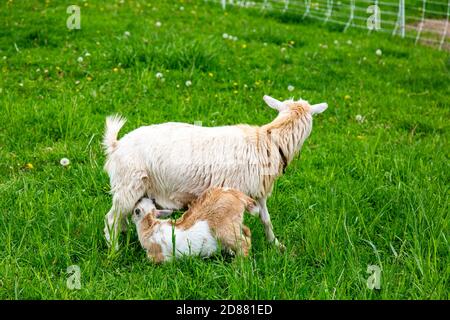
(163, 213)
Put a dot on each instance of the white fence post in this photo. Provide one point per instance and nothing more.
(419, 31)
(444, 34)
(400, 19)
(308, 6)
(286, 5)
(352, 15)
(329, 10)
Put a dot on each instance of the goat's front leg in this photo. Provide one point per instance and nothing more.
(116, 218)
(268, 227)
(112, 222)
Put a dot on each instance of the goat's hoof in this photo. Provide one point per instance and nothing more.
(112, 245)
(279, 245)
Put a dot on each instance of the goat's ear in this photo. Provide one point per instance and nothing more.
(319, 108)
(274, 103)
(163, 213)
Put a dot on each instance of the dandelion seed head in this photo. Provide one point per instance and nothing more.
(359, 118)
(64, 162)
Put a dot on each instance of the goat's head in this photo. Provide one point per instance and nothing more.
(293, 124)
(146, 206)
(300, 106)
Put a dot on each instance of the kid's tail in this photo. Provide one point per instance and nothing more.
(113, 126)
(251, 206)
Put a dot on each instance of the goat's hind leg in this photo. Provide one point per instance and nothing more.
(268, 227)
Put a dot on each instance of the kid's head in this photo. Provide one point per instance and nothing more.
(146, 206)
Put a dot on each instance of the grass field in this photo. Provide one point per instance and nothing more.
(371, 192)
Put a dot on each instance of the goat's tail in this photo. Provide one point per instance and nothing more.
(113, 126)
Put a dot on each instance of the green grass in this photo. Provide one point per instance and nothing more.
(371, 193)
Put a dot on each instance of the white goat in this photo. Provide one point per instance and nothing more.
(174, 163)
(213, 221)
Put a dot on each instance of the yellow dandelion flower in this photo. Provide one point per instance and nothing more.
(347, 97)
(210, 74)
(29, 166)
(116, 70)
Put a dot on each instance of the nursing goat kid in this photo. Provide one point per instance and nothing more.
(213, 221)
(173, 163)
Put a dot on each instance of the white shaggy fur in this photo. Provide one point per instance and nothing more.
(174, 163)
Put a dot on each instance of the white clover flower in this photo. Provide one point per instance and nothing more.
(80, 59)
(378, 52)
(283, 49)
(359, 118)
(188, 83)
(265, 44)
(234, 38)
(181, 8)
(158, 24)
(290, 88)
(336, 42)
(159, 75)
(21, 84)
(87, 54)
(64, 162)
(4, 57)
(126, 34)
(349, 42)
(225, 36)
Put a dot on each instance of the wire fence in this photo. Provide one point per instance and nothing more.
(424, 21)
